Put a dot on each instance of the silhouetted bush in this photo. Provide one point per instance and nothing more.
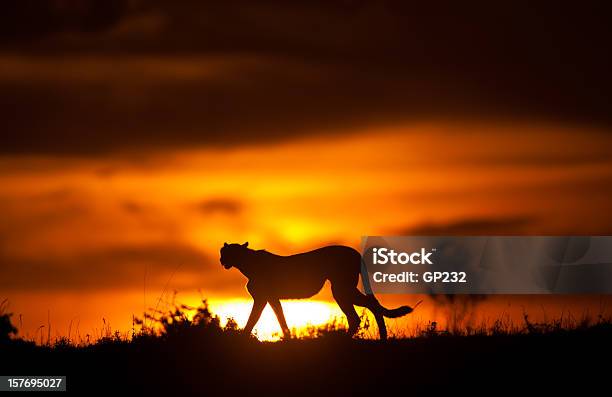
(7, 329)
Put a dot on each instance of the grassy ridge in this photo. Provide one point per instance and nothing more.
(183, 354)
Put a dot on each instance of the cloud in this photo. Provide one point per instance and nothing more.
(472, 227)
(225, 206)
(98, 77)
(112, 267)
(30, 19)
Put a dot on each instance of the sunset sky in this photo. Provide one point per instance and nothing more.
(138, 137)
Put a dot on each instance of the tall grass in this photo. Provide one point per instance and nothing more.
(179, 321)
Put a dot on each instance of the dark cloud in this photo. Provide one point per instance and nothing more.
(472, 227)
(116, 267)
(575, 222)
(225, 206)
(132, 207)
(116, 75)
(27, 20)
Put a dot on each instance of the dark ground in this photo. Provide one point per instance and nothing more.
(179, 354)
(225, 363)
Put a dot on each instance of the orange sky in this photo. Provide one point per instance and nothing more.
(139, 136)
(86, 238)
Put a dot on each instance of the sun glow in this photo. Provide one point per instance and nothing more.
(159, 222)
(299, 315)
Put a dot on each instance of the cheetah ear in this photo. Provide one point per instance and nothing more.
(245, 244)
(225, 244)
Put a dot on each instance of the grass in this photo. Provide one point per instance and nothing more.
(199, 323)
(186, 350)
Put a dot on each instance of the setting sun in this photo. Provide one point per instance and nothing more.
(300, 315)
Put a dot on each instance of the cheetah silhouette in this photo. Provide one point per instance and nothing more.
(274, 277)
